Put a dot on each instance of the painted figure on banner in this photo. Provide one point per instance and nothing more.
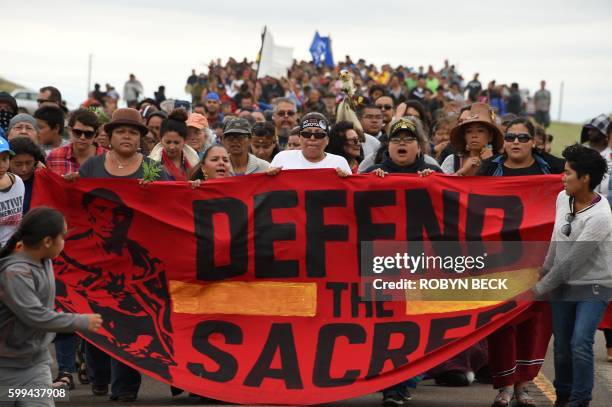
(125, 284)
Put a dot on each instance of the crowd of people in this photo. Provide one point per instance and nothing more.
(406, 121)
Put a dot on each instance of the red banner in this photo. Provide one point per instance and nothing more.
(247, 289)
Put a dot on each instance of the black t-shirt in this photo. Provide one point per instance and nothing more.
(94, 168)
(533, 169)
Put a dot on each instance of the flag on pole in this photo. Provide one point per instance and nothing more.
(321, 51)
(274, 60)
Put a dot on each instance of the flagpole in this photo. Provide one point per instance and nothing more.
(263, 36)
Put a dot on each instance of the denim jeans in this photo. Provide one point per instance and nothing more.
(103, 369)
(65, 352)
(574, 327)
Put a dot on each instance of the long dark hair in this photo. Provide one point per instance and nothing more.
(37, 224)
(197, 170)
(176, 121)
(337, 140)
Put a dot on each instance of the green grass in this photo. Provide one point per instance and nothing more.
(564, 134)
(8, 86)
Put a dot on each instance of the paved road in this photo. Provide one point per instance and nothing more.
(153, 393)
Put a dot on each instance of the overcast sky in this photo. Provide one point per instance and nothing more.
(160, 41)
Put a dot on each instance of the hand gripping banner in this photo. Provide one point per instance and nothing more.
(247, 289)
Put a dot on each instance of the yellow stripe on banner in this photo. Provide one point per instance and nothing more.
(420, 302)
(266, 298)
(546, 387)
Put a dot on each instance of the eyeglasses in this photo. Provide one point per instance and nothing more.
(24, 127)
(87, 133)
(353, 141)
(285, 113)
(567, 228)
(385, 107)
(398, 140)
(238, 136)
(372, 116)
(522, 138)
(317, 134)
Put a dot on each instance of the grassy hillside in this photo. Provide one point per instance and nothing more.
(8, 86)
(564, 135)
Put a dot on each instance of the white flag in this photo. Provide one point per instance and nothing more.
(274, 60)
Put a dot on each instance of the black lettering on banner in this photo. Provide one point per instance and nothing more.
(357, 300)
(318, 232)
(381, 299)
(228, 366)
(281, 339)
(382, 338)
(328, 334)
(438, 328)
(368, 231)
(486, 316)
(421, 216)
(267, 232)
(337, 289)
(512, 207)
(237, 214)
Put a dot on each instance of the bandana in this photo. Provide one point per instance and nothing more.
(314, 122)
(5, 119)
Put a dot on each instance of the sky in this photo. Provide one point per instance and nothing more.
(49, 43)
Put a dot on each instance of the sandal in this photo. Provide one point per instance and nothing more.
(504, 397)
(64, 380)
(80, 362)
(523, 399)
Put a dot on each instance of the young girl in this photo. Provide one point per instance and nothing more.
(27, 297)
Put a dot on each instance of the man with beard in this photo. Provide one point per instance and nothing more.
(285, 118)
(125, 285)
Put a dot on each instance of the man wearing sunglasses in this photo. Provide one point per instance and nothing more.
(314, 129)
(67, 159)
(385, 103)
(285, 118)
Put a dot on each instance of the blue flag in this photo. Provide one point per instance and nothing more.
(321, 52)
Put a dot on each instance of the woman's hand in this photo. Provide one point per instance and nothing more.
(71, 176)
(379, 172)
(341, 173)
(438, 148)
(486, 153)
(273, 171)
(469, 167)
(400, 111)
(425, 172)
(195, 184)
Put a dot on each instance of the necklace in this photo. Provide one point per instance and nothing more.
(121, 165)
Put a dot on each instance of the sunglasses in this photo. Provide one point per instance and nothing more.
(385, 107)
(285, 113)
(87, 133)
(317, 134)
(41, 101)
(398, 140)
(567, 228)
(522, 138)
(353, 141)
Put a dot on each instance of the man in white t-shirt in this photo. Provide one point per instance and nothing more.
(314, 138)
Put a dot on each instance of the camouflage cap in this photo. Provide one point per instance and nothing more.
(237, 125)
